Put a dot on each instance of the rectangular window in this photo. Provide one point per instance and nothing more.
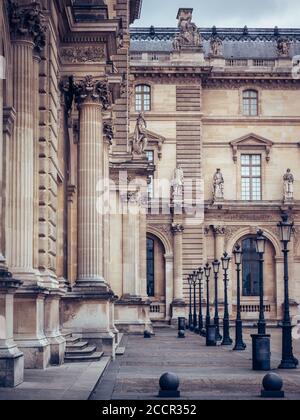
(251, 177)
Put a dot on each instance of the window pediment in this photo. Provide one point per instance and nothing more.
(251, 142)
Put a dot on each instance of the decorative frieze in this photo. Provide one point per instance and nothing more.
(75, 55)
(282, 83)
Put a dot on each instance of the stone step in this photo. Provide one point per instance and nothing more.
(78, 345)
(95, 357)
(81, 352)
(73, 340)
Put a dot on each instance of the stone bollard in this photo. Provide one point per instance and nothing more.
(181, 334)
(147, 334)
(261, 352)
(169, 384)
(181, 327)
(272, 384)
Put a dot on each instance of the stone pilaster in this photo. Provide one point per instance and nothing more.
(11, 359)
(132, 310)
(178, 230)
(178, 304)
(107, 143)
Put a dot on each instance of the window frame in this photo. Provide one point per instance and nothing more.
(251, 177)
(250, 101)
(143, 98)
(149, 239)
(251, 295)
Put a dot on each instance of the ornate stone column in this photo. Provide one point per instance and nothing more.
(87, 309)
(89, 97)
(27, 31)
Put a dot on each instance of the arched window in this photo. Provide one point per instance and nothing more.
(142, 98)
(250, 268)
(150, 267)
(250, 103)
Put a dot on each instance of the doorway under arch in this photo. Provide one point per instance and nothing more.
(156, 277)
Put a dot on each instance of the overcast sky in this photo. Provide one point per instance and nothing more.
(224, 13)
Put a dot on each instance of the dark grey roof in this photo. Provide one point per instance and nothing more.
(237, 42)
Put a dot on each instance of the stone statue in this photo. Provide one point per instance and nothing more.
(288, 181)
(189, 34)
(178, 182)
(216, 46)
(140, 139)
(218, 186)
(283, 47)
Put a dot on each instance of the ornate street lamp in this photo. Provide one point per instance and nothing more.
(239, 343)
(195, 320)
(260, 249)
(216, 268)
(288, 360)
(207, 270)
(200, 322)
(190, 282)
(227, 341)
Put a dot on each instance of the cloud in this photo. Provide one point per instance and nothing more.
(223, 13)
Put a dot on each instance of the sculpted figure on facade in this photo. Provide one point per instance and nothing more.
(177, 182)
(218, 186)
(216, 47)
(283, 47)
(140, 140)
(288, 182)
(189, 34)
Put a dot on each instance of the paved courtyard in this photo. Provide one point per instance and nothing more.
(205, 373)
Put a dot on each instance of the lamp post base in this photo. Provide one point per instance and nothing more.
(288, 364)
(239, 343)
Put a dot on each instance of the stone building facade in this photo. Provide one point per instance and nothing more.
(92, 116)
(226, 105)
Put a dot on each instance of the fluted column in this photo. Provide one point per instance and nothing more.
(89, 96)
(36, 64)
(26, 32)
(178, 230)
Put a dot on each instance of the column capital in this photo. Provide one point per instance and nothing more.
(177, 228)
(90, 90)
(219, 230)
(27, 22)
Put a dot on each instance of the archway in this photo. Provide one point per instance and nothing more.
(250, 280)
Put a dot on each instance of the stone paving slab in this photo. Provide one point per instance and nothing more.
(205, 373)
(73, 381)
